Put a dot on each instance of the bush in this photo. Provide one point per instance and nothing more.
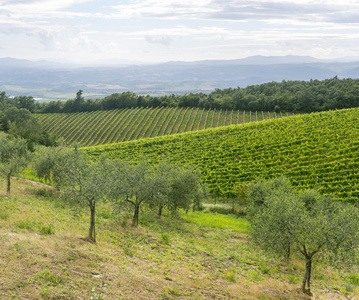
(49, 278)
(353, 279)
(47, 229)
(4, 215)
(32, 226)
(26, 224)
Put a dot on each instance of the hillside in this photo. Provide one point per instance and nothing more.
(316, 150)
(197, 256)
(113, 126)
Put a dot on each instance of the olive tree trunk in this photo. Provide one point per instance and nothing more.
(135, 215)
(8, 183)
(92, 230)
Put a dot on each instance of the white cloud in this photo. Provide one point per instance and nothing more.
(33, 9)
(159, 39)
(239, 10)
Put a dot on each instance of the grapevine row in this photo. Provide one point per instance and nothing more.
(101, 127)
(317, 150)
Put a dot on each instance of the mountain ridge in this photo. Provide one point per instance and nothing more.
(54, 81)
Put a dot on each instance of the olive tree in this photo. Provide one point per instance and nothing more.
(186, 188)
(86, 183)
(161, 186)
(14, 157)
(312, 225)
(80, 180)
(47, 162)
(132, 185)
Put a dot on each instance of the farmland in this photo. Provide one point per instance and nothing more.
(315, 150)
(114, 126)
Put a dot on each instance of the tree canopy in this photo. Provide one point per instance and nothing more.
(285, 96)
(14, 156)
(302, 222)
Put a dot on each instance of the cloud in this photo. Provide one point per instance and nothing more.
(32, 9)
(181, 30)
(234, 10)
(163, 40)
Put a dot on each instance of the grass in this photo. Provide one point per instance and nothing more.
(214, 220)
(192, 256)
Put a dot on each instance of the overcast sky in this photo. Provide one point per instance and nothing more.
(172, 30)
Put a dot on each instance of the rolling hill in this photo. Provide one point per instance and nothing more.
(317, 150)
(103, 127)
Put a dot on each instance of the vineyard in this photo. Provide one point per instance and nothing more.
(114, 126)
(317, 150)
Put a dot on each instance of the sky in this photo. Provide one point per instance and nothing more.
(152, 31)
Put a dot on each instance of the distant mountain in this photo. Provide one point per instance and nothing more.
(48, 80)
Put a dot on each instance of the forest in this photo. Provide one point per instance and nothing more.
(285, 96)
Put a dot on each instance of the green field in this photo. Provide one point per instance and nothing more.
(114, 126)
(317, 150)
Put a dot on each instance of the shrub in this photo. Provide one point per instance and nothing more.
(51, 279)
(47, 229)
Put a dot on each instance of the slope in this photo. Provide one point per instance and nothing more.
(317, 150)
(195, 256)
(103, 127)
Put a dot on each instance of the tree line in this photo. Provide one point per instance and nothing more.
(126, 186)
(285, 96)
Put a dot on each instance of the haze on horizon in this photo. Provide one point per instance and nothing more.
(176, 30)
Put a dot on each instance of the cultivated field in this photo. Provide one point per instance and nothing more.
(113, 126)
(317, 150)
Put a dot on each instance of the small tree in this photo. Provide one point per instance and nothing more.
(307, 222)
(162, 180)
(163, 186)
(46, 161)
(178, 186)
(14, 157)
(83, 182)
(133, 185)
(185, 188)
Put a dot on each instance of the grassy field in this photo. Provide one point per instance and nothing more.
(197, 256)
(316, 150)
(103, 127)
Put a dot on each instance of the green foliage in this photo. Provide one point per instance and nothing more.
(163, 186)
(14, 157)
(217, 221)
(353, 279)
(26, 224)
(104, 127)
(165, 239)
(284, 221)
(20, 123)
(47, 277)
(4, 215)
(48, 163)
(47, 229)
(319, 149)
(289, 96)
(33, 226)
